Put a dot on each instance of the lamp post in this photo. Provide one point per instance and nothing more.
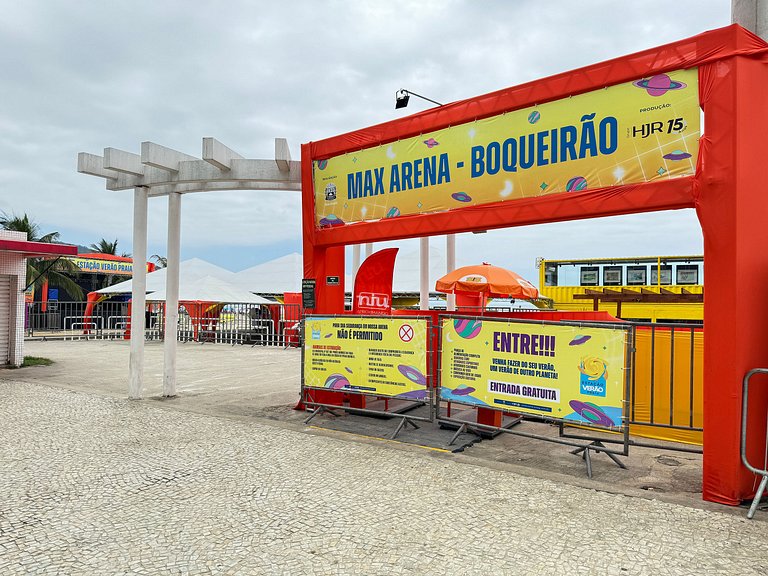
(402, 97)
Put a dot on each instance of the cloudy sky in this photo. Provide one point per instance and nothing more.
(79, 76)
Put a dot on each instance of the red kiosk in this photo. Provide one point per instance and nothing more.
(729, 66)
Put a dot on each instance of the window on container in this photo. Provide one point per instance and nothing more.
(687, 274)
(550, 275)
(612, 276)
(666, 275)
(637, 275)
(589, 275)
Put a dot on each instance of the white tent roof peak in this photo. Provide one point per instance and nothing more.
(277, 276)
(211, 289)
(189, 270)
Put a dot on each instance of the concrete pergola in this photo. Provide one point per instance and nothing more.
(161, 171)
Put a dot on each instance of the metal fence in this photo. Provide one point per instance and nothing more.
(253, 324)
(666, 394)
(67, 320)
(379, 397)
(265, 325)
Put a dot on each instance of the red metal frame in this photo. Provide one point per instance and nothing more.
(726, 192)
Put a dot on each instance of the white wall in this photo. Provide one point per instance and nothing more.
(16, 266)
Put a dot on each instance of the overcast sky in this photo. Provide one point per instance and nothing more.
(79, 76)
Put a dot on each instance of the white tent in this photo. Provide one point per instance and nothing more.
(277, 276)
(284, 274)
(189, 271)
(406, 278)
(211, 289)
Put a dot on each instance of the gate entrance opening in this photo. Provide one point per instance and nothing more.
(725, 68)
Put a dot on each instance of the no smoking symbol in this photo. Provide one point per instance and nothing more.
(406, 333)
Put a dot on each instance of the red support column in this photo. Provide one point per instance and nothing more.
(44, 296)
(320, 263)
(733, 212)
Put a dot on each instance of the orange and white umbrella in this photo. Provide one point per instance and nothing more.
(493, 281)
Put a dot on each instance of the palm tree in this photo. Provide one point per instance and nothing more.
(39, 270)
(161, 261)
(104, 246)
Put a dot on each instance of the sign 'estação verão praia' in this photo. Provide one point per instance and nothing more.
(96, 266)
(629, 133)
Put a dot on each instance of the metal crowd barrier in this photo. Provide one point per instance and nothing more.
(243, 324)
(665, 393)
(368, 401)
(247, 324)
(65, 320)
(755, 470)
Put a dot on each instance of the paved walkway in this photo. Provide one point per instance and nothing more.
(99, 485)
(244, 382)
(260, 376)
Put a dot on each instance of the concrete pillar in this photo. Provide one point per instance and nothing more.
(139, 293)
(172, 293)
(752, 15)
(450, 266)
(368, 249)
(424, 273)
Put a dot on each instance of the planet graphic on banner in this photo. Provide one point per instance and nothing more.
(331, 220)
(322, 164)
(658, 85)
(461, 197)
(463, 390)
(591, 413)
(413, 374)
(676, 155)
(461, 394)
(467, 328)
(534, 117)
(392, 212)
(576, 184)
(431, 143)
(578, 340)
(337, 382)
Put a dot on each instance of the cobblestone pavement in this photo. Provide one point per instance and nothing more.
(94, 485)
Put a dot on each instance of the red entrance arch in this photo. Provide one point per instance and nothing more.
(727, 192)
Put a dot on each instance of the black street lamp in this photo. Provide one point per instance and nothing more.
(402, 96)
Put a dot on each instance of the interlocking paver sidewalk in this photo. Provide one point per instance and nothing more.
(95, 485)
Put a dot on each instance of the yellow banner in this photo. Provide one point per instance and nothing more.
(96, 266)
(381, 356)
(624, 134)
(568, 373)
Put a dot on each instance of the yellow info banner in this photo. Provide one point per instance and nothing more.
(568, 373)
(96, 266)
(624, 134)
(380, 356)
